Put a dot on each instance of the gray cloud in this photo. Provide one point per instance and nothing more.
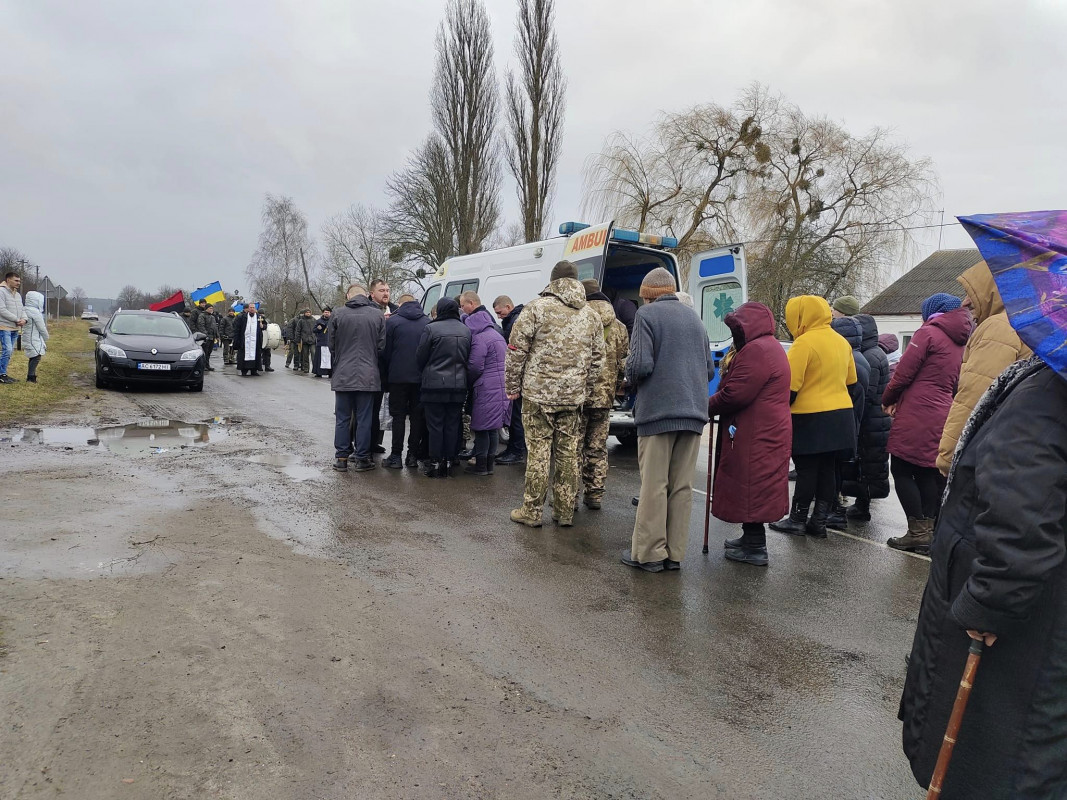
(139, 138)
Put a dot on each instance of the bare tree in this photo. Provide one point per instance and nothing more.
(77, 298)
(464, 106)
(829, 211)
(277, 270)
(130, 297)
(360, 247)
(12, 260)
(163, 292)
(421, 214)
(684, 177)
(534, 106)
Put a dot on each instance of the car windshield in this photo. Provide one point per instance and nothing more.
(137, 325)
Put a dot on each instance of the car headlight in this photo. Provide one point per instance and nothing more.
(111, 350)
(191, 355)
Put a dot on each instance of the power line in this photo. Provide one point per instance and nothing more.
(865, 225)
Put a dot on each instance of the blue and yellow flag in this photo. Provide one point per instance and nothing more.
(212, 293)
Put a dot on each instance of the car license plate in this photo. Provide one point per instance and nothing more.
(147, 365)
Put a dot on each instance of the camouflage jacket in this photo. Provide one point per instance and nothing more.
(616, 348)
(556, 348)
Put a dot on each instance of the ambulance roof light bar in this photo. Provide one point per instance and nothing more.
(635, 237)
(568, 228)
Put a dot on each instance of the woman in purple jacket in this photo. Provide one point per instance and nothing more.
(918, 398)
(491, 409)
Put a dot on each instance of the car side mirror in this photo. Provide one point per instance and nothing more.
(96, 330)
(199, 337)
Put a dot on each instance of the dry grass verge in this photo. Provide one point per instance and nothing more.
(64, 375)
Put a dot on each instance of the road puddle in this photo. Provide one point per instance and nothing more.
(146, 437)
(290, 465)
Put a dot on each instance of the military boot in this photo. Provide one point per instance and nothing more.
(860, 511)
(795, 523)
(918, 539)
(817, 524)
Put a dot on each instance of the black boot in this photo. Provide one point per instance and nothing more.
(817, 524)
(860, 511)
(837, 519)
(490, 462)
(478, 467)
(444, 469)
(756, 556)
(794, 524)
(430, 469)
(411, 461)
(393, 462)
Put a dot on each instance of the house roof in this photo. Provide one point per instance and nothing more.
(937, 273)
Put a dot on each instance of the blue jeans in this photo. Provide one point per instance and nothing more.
(7, 347)
(349, 407)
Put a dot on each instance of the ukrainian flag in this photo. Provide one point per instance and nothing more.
(212, 293)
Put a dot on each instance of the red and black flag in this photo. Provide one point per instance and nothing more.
(176, 302)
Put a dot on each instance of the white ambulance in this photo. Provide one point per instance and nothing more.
(619, 260)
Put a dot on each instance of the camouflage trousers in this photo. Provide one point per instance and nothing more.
(290, 351)
(594, 444)
(229, 355)
(303, 357)
(552, 435)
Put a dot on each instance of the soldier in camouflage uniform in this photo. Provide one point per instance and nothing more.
(597, 410)
(554, 359)
(289, 337)
(304, 336)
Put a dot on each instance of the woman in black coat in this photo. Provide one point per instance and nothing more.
(874, 431)
(442, 356)
(998, 572)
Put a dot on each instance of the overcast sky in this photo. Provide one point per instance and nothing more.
(138, 138)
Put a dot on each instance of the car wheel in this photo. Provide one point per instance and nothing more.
(627, 438)
(100, 382)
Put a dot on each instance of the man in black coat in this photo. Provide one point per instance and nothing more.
(403, 330)
(356, 336)
(998, 573)
(875, 427)
(515, 452)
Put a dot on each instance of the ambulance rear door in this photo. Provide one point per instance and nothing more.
(718, 282)
(588, 250)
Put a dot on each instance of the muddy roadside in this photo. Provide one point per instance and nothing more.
(171, 630)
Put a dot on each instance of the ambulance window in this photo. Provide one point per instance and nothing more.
(717, 301)
(429, 300)
(456, 288)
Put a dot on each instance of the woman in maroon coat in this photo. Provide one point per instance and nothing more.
(918, 398)
(755, 434)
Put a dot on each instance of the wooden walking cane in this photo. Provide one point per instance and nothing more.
(974, 655)
(707, 497)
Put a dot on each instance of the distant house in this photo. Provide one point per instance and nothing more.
(898, 308)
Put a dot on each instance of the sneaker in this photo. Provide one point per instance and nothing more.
(7, 379)
(756, 556)
(340, 464)
(393, 462)
(522, 519)
(652, 566)
(410, 462)
(269, 369)
(364, 465)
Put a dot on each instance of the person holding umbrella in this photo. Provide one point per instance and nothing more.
(998, 572)
(755, 434)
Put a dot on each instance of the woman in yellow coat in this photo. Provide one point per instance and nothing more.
(824, 426)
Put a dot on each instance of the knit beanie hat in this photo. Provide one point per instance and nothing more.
(658, 282)
(940, 303)
(564, 269)
(591, 287)
(847, 305)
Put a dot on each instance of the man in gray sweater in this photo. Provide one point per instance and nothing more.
(669, 366)
(12, 320)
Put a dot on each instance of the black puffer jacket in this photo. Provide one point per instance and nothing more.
(850, 331)
(874, 432)
(443, 352)
(998, 566)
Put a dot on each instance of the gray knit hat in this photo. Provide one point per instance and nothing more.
(658, 282)
(847, 305)
(564, 269)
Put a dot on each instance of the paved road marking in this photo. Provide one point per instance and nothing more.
(883, 545)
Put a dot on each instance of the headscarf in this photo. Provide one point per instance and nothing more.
(940, 303)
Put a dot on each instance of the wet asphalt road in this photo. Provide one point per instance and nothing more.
(778, 682)
(722, 680)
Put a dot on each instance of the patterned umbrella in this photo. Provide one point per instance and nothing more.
(1027, 254)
